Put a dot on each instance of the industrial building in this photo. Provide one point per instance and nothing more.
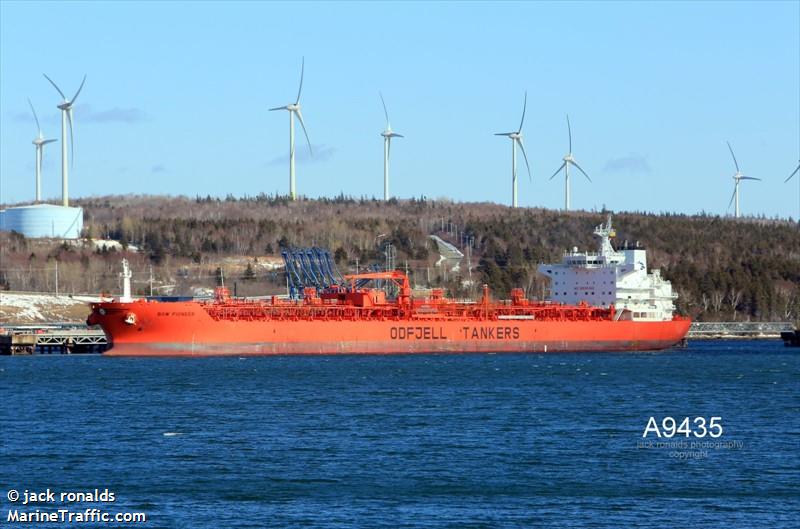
(43, 220)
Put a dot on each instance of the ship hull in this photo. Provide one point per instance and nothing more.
(186, 329)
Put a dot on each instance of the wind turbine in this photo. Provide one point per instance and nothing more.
(516, 139)
(797, 170)
(294, 109)
(66, 115)
(387, 134)
(738, 177)
(568, 160)
(40, 142)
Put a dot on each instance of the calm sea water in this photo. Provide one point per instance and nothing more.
(410, 441)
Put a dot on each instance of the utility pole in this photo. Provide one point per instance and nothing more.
(56, 277)
(151, 281)
(356, 265)
(469, 263)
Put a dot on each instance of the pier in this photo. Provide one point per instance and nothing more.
(51, 339)
(742, 330)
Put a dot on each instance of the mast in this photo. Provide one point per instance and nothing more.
(606, 233)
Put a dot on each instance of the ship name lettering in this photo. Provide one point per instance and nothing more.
(417, 333)
(490, 333)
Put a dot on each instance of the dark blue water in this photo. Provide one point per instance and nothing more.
(410, 441)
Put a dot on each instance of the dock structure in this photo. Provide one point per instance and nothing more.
(741, 330)
(51, 339)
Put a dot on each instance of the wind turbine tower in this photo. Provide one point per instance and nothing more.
(39, 142)
(569, 160)
(294, 110)
(387, 134)
(66, 115)
(797, 170)
(516, 139)
(738, 177)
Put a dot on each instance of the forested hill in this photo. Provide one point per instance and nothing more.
(721, 268)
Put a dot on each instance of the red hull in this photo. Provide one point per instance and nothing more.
(191, 328)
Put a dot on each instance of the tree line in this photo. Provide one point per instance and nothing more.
(722, 268)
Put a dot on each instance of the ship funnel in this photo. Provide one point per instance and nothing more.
(126, 282)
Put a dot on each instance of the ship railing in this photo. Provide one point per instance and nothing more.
(590, 254)
(474, 311)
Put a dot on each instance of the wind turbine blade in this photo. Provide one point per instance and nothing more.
(302, 72)
(385, 112)
(79, 90)
(732, 197)
(504, 133)
(71, 138)
(34, 117)
(396, 135)
(56, 86)
(791, 175)
(581, 170)
(300, 117)
(45, 142)
(560, 167)
(278, 108)
(734, 156)
(569, 131)
(524, 107)
(522, 147)
(748, 178)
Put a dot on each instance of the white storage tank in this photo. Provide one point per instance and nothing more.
(43, 220)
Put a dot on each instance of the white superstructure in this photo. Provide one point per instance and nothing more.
(611, 277)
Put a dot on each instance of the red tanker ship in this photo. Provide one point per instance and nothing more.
(364, 321)
(631, 311)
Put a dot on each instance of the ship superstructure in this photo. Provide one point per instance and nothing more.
(611, 277)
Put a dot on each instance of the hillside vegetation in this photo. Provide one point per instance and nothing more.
(721, 268)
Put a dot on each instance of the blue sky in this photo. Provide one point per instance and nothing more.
(177, 95)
